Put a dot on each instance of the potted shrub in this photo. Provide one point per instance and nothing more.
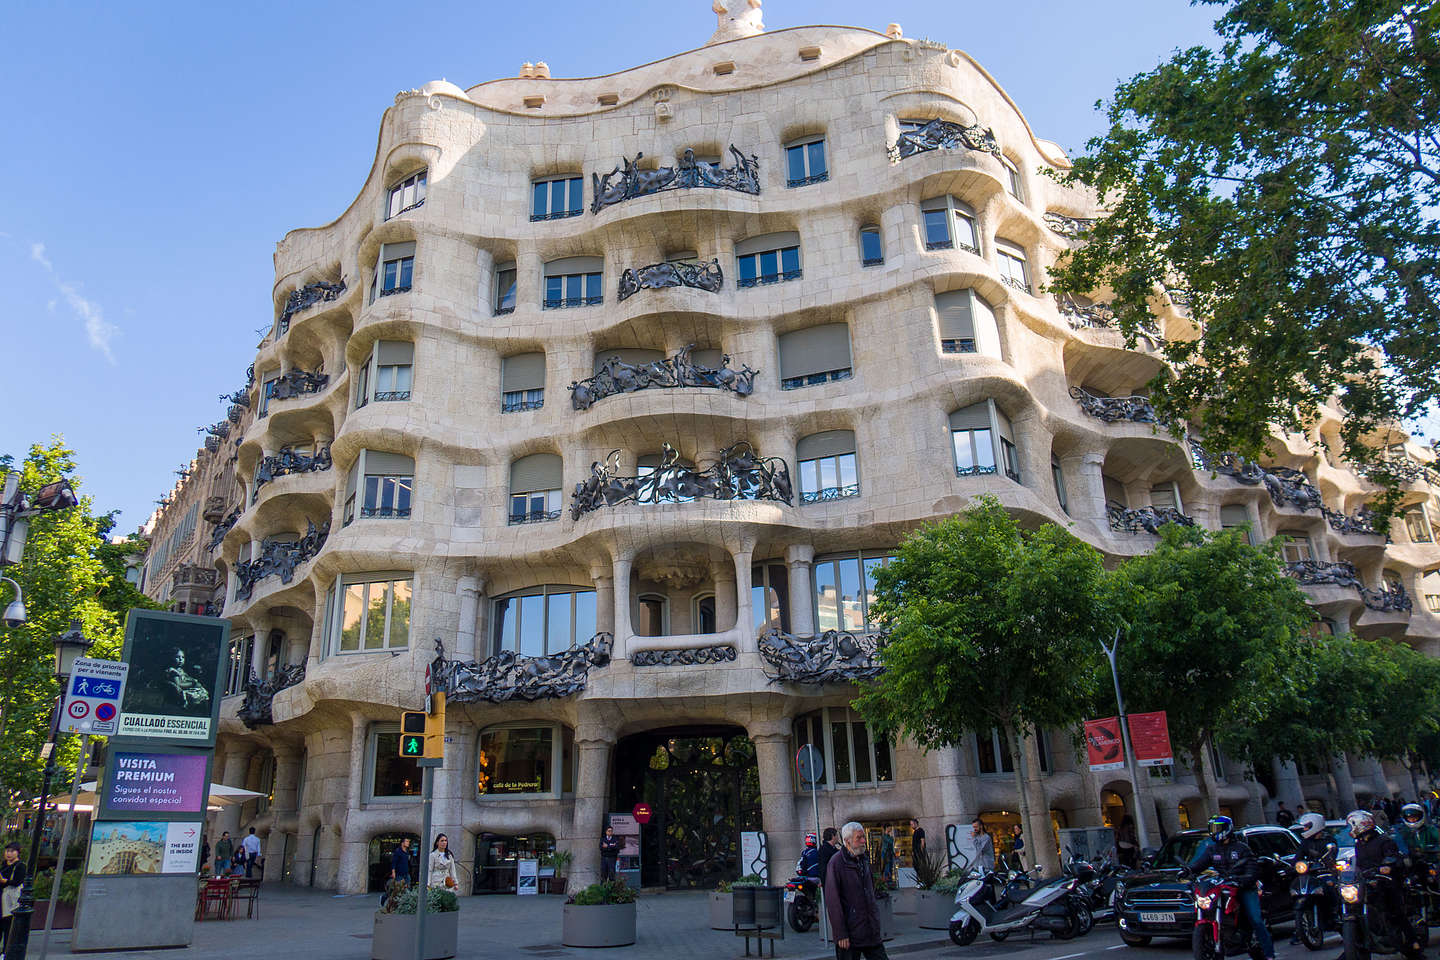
(886, 907)
(720, 910)
(559, 862)
(64, 903)
(600, 915)
(742, 901)
(933, 905)
(394, 937)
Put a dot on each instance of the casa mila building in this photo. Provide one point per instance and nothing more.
(599, 407)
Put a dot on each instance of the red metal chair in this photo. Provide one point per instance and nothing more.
(217, 894)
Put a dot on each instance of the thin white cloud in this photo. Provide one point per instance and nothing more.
(99, 330)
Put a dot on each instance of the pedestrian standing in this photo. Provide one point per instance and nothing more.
(224, 853)
(609, 854)
(984, 846)
(12, 877)
(1127, 844)
(850, 899)
(250, 849)
(1283, 817)
(887, 855)
(829, 846)
(204, 851)
(400, 862)
(442, 865)
(1017, 846)
(917, 840)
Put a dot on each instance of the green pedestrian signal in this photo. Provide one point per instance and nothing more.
(413, 747)
(412, 734)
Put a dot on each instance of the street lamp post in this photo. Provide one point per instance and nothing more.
(68, 646)
(1124, 733)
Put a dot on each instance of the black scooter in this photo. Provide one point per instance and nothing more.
(802, 902)
(1366, 930)
(1317, 900)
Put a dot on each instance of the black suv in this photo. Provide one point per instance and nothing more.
(1157, 903)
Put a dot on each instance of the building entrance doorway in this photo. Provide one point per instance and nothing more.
(703, 788)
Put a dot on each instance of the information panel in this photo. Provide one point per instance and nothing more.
(155, 783)
(175, 663)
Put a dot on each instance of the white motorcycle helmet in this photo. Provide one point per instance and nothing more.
(1360, 823)
(1310, 825)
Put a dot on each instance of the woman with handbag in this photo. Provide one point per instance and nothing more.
(442, 864)
(12, 878)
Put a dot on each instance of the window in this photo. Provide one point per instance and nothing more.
(1012, 179)
(1013, 269)
(522, 382)
(949, 224)
(525, 761)
(242, 650)
(966, 323)
(844, 591)
(982, 438)
(535, 483)
(872, 253)
(1114, 491)
(1166, 496)
(1234, 516)
(573, 282)
(388, 371)
(1430, 587)
(392, 777)
(394, 270)
(770, 596)
(772, 258)
(854, 756)
(827, 466)
(406, 195)
(557, 198)
(653, 616)
(814, 356)
(370, 612)
(1058, 476)
(383, 482)
(992, 754)
(1299, 548)
(1417, 524)
(705, 614)
(505, 277)
(267, 383)
(544, 620)
(805, 163)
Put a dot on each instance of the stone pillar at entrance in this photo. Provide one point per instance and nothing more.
(1287, 783)
(237, 766)
(798, 558)
(594, 745)
(777, 796)
(283, 809)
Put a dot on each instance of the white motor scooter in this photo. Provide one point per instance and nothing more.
(1047, 907)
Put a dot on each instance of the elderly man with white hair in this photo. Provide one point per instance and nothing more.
(850, 899)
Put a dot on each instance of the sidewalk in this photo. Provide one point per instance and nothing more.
(296, 923)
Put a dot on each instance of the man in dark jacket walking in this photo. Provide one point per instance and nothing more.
(850, 899)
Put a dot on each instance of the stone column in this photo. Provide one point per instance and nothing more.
(798, 560)
(1287, 783)
(1085, 487)
(1344, 783)
(237, 766)
(622, 629)
(726, 605)
(260, 652)
(594, 746)
(469, 593)
(777, 796)
(744, 620)
(604, 601)
(352, 871)
(359, 735)
(453, 786)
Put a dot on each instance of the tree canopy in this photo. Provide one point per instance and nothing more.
(1287, 184)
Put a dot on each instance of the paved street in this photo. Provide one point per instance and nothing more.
(296, 923)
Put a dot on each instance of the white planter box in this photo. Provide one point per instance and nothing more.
(607, 925)
(395, 936)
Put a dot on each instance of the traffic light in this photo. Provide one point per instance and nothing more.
(412, 734)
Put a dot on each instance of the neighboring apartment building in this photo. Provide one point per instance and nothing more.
(621, 389)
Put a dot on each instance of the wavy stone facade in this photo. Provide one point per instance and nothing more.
(885, 291)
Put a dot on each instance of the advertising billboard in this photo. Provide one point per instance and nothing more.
(1150, 736)
(162, 783)
(173, 690)
(1104, 745)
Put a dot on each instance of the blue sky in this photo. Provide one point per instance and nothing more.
(157, 151)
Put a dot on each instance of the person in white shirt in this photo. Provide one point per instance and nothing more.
(251, 847)
(442, 864)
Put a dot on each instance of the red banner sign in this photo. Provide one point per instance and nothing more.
(641, 812)
(1104, 745)
(1150, 736)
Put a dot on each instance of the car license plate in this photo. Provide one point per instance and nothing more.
(1157, 918)
(789, 896)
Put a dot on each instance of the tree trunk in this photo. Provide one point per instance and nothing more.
(1410, 764)
(1033, 837)
(1197, 764)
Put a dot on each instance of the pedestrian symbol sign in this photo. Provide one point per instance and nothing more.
(412, 734)
(93, 699)
(413, 747)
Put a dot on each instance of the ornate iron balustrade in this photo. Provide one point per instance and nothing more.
(979, 470)
(950, 245)
(831, 657)
(944, 135)
(1321, 573)
(219, 430)
(1390, 598)
(1402, 469)
(815, 379)
(687, 657)
(1362, 522)
(212, 444)
(255, 709)
(1149, 519)
(383, 396)
(534, 516)
(617, 377)
(628, 180)
(391, 291)
(806, 181)
(559, 303)
(658, 276)
(287, 462)
(959, 345)
(1114, 409)
(214, 509)
(384, 512)
(1098, 316)
(235, 413)
(1227, 464)
(765, 279)
(509, 676)
(1291, 486)
(296, 383)
(307, 296)
(516, 401)
(739, 474)
(240, 397)
(830, 493)
(1020, 285)
(1072, 228)
(279, 558)
(223, 527)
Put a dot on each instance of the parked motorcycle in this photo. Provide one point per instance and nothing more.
(1046, 907)
(802, 902)
(1317, 900)
(1365, 930)
(1221, 929)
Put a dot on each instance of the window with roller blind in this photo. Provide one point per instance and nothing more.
(1299, 547)
(406, 195)
(966, 323)
(522, 382)
(555, 198)
(814, 356)
(826, 463)
(1234, 516)
(387, 374)
(949, 224)
(394, 269)
(380, 484)
(505, 278)
(535, 484)
(983, 441)
(872, 251)
(1014, 267)
(573, 282)
(771, 258)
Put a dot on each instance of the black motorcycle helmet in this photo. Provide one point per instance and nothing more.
(1221, 828)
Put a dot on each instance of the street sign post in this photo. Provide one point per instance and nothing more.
(431, 737)
(811, 767)
(92, 701)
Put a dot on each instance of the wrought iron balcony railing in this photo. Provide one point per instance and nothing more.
(223, 527)
(1321, 573)
(1114, 409)
(560, 303)
(384, 396)
(616, 377)
(516, 401)
(958, 345)
(628, 180)
(815, 379)
(1390, 598)
(534, 516)
(1148, 518)
(391, 291)
(256, 709)
(1020, 285)
(658, 276)
(1363, 521)
(831, 657)
(384, 512)
(321, 291)
(287, 462)
(684, 656)
(556, 215)
(766, 279)
(872, 262)
(830, 493)
(294, 383)
(739, 474)
(279, 558)
(510, 676)
(806, 181)
(1097, 316)
(944, 135)
(1403, 469)
(1072, 228)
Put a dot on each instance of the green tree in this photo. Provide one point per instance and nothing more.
(1213, 625)
(991, 626)
(1288, 183)
(1405, 709)
(68, 572)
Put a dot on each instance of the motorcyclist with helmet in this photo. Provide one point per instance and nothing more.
(1375, 852)
(1415, 834)
(1226, 854)
(809, 865)
(1317, 848)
